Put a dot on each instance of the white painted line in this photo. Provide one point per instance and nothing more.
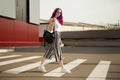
(10, 56)
(100, 71)
(70, 66)
(18, 60)
(27, 67)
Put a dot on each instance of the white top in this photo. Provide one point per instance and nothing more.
(57, 25)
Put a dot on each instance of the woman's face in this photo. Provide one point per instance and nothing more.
(58, 13)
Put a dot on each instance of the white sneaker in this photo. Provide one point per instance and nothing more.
(63, 70)
(42, 68)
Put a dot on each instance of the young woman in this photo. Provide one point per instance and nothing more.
(55, 24)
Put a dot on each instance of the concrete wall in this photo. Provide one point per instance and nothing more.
(92, 34)
(18, 33)
(83, 33)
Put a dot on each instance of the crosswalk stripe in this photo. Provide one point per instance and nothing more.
(27, 67)
(100, 71)
(18, 60)
(10, 56)
(70, 66)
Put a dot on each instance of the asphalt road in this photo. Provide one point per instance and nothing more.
(86, 63)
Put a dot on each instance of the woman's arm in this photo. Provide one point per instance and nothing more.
(51, 25)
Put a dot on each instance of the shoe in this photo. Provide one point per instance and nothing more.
(63, 70)
(42, 68)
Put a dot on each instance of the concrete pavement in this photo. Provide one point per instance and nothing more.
(26, 63)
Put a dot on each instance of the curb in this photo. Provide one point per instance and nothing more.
(6, 50)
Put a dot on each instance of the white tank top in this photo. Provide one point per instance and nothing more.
(57, 25)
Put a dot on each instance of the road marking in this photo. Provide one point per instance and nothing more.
(100, 71)
(27, 67)
(18, 60)
(70, 66)
(10, 56)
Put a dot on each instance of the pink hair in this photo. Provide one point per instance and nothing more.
(60, 18)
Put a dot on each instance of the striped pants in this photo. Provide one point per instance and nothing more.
(54, 48)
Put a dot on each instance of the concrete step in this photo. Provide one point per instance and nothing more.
(92, 42)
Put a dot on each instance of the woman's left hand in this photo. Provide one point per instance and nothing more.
(61, 45)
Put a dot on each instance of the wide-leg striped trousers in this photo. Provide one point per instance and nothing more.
(54, 48)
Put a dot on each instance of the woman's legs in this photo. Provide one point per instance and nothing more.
(41, 67)
(42, 60)
(63, 69)
(61, 64)
(57, 52)
(47, 55)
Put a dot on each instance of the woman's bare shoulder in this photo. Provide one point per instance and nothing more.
(52, 20)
